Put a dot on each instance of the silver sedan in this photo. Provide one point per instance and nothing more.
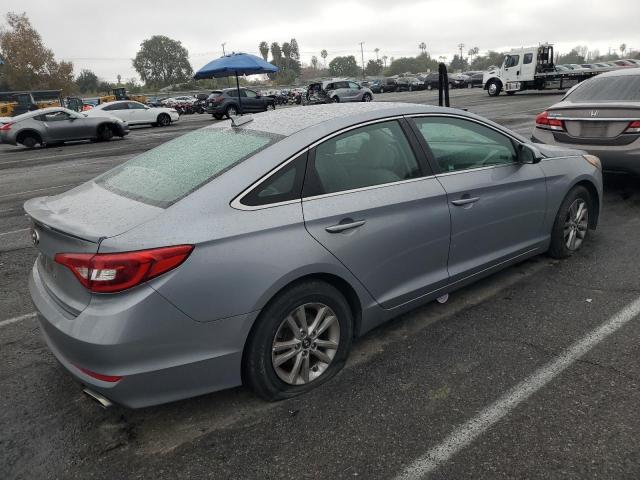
(256, 252)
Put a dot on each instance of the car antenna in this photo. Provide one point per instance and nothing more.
(239, 121)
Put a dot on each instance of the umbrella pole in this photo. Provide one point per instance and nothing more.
(239, 97)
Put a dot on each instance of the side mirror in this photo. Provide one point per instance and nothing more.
(528, 155)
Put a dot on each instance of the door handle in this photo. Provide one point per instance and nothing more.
(465, 201)
(348, 225)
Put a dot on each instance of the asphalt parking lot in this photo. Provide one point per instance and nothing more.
(531, 373)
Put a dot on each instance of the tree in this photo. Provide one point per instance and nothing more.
(374, 67)
(472, 53)
(576, 55)
(28, 64)
(276, 54)
(623, 48)
(344, 66)
(87, 81)
(286, 53)
(423, 47)
(458, 63)
(264, 50)
(324, 54)
(314, 62)
(119, 78)
(377, 50)
(162, 61)
(483, 62)
(384, 60)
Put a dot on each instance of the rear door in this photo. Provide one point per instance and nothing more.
(354, 91)
(497, 204)
(138, 113)
(371, 202)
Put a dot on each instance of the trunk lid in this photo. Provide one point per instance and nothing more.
(595, 120)
(76, 222)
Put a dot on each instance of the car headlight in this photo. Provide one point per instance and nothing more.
(593, 160)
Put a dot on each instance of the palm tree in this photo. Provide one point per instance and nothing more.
(623, 48)
(324, 56)
(264, 50)
(376, 50)
(384, 60)
(423, 47)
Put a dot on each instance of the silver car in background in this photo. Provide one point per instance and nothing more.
(346, 91)
(600, 115)
(255, 253)
(55, 125)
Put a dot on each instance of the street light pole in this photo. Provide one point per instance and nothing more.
(223, 53)
(362, 56)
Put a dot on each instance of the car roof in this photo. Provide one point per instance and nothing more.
(40, 111)
(621, 72)
(115, 102)
(289, 121)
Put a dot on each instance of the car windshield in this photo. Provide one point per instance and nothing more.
(167, 173)
(623, 88)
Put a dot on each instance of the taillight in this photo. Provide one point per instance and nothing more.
(114, 272)
(6, 127)
(634, 127)
(543, 121)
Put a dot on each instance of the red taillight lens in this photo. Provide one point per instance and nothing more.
(634, 127)
(6, 127)
(543, 121)
(114, 272)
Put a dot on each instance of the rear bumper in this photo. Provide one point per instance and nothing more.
(161, 354)
(621, 158)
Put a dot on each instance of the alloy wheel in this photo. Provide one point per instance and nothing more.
(305, 343)
(576, 224)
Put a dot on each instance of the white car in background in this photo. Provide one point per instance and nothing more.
(136, 113)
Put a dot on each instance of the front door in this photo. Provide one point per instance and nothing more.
(250, 101)
(497, 203)
(372, 204)
(511, 69)
(63, 126)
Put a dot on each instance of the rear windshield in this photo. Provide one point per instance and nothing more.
(167, 173)
(623, 88)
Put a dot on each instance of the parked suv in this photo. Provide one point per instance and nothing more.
(225, 102)
(346, 91)
(388, 85)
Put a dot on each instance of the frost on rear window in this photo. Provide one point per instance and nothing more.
(171, 171)
(622, 88)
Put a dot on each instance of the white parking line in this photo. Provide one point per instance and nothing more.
(9, 321)
(471, 430)
(14, 231)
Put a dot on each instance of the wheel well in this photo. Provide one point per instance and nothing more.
(161, 114)
(492, 79)
(25, 133)
(593, 191)
(338, 283)
(109, 125)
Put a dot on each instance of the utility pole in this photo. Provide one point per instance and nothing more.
(461, 46)
(223, 44)
(362, 55)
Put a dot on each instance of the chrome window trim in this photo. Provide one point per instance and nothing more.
(237, 201)
(370, 187)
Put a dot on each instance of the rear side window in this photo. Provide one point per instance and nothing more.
(623, 88)
(528, 58)
(367, 156)
(282, 186)
(116, 106)
(167, 173)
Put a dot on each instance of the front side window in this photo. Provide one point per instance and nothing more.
(458, 144)
(116, 106)
(371, 155)
(135, 106)
(56, 116)
(511, 61)
(354, 85)
(251, 93)
(165, 174)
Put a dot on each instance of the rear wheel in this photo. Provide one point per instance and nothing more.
(271, 106)
(366, 97)
(105, 133)
(164, 120)
(429, 87)
(218, 116)
(231, 111)
(30, 140)
(300, 340)
(571, 225)
(335, 99)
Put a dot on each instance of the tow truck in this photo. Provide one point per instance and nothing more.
(531, 68)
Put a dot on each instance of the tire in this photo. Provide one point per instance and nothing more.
(259, 370)
(231, 110)
(469, 85)
(335, 99)
(104, 133)
(164, 120)
(568, 220)
(30, 140)
(218, 116)
(366, 97)
(493, 88)
(270, 106)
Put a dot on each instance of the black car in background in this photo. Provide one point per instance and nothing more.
(225, 102)
(432, 80)
(388, 85)
(475, 80)
(402, 85)
(376, 86)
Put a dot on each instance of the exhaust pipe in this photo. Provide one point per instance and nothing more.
(102, 401)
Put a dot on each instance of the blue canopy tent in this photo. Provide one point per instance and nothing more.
(235, 64)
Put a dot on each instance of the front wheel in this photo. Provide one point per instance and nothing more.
(571, 225)
(299, 341)
(335, 99)
(105, 133)
(164, 120)
(493, 88)
(231, 111)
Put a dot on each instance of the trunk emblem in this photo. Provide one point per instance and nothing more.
(35, 237)
(594, 113)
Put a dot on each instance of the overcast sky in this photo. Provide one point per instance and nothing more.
(105, 36)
